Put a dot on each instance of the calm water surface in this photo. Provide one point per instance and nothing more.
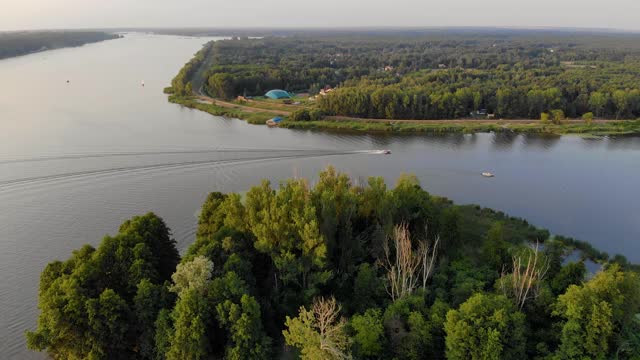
(77, 159)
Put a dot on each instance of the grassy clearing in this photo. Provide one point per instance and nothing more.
(256, 118)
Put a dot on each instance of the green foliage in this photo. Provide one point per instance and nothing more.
(368, 333)
(485, 327)
(258, 261)
(434, 77)
(306, 115)
(89, 303)
(588, 118)
(570, 274)
(319, 334)
(247, 338)
(593, 311)
(557, 116)
(544, 117)
(368, 288)
(495, 250)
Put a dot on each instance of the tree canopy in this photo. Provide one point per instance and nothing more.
(336, 270)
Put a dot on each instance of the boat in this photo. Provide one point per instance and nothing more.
(488, 174)
(382, 152)
(274, 122)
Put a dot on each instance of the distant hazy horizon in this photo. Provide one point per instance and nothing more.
(83, 14)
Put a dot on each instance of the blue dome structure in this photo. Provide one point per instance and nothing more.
(278, 94)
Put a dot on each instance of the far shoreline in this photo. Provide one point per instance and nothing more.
(258, 116)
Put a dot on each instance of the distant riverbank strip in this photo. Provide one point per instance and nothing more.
(258, 116)
(18, 43)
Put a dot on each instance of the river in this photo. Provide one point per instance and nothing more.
(77, 158)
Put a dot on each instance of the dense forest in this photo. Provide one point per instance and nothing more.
(434, 75)
(26, 42)
(336, 270)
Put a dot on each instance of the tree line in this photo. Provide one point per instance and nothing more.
(336, 270)
(432, 76)
(25, 42)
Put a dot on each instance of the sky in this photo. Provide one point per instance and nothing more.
(67, 14)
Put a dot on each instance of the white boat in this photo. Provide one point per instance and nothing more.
(383, 152)
(488, 174)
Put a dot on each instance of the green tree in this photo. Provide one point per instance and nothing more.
(588, 118)
(368, 336)
(597, 102)
(544, 117)
(593, 311)
(244, 322)
(190, 318)
(495, 250)
(368, 288)
(485, 327)
(192, 275)
(557, 116)
(319, 333)
(570, 274)
(88, 303)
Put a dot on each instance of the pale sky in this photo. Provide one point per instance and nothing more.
(47, 14)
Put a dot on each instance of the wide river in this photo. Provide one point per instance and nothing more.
(78, 158)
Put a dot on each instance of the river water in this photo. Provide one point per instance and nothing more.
(79, 157)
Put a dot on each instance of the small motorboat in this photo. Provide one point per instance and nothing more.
(487, 174)
(274, 122)
(386, 152)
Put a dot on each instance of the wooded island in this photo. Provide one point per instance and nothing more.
(339, 271)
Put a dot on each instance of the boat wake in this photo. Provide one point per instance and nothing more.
(274, 156)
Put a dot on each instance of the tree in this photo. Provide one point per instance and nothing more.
(597, 102)
(485, 327)
(108, 322)
(88, 303)
(557, 116)
(368, 288)
(193, 275)
(495, 250)
(406, 266)
(285, 227)
(570, 274)
(247, 337)
(319, 333)
(524, 281)
(594, 310)
(368, 333)
(544, 117)
(588, 118)
(190, 319)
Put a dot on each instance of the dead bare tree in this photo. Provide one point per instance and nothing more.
(333, 338)
(405, 266)
(524, 282)
(428, 259)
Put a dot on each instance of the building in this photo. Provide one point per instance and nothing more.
(277, 94)
(326, 91)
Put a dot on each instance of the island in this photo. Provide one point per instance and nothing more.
(17, 43)
(553, 82)
(339, 270)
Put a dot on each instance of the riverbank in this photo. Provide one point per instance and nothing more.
(259, 116)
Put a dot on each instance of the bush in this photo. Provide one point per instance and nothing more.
(306, 115)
